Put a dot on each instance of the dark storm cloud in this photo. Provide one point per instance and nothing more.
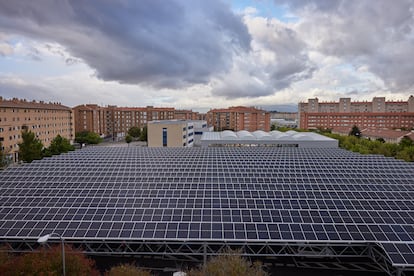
(159, 43)
(378, 34)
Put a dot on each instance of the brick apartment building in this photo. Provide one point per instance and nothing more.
(116, 121)
(45, 120)
(378, 113)
(239, 118)
(181, 114)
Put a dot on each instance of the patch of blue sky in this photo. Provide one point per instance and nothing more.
(265, 8)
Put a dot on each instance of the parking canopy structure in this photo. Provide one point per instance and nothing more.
(312, 207)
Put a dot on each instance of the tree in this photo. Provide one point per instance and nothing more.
(87, 137)
(144, 134)
(406, 154)
(49, 262)
(273, 127)
(134, 132)
(128, 139)
(406, 142)
(2, 156)
(127, 270)
(229, 264)
(30, 148)
(355, 132)
(381, 140)
(5, 258)
(60, 145)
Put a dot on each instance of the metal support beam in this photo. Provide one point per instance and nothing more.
(317, 255)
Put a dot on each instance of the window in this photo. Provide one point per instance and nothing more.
(164, 137)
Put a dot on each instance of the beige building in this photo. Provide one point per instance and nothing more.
(45, 120)
(170, 133)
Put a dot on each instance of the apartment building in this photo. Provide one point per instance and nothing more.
(181, 114)
(239, 118)
(90, 117)
(170, 133)
(116, 121)
(45, 120)
(288, 116)
(378, 113)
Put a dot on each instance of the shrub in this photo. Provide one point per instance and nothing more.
(127, 270)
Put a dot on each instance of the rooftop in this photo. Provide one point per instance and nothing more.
(168, 122)
(303, 139)
(22, 103)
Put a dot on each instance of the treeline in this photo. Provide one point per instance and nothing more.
(87, 137)
(48, 261)
(403, 150)
(355, 142)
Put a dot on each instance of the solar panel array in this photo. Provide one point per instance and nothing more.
(220, 194)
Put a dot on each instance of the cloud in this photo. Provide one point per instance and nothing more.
(11, 86)
(5, 49)
(377, 35)
(156, 43)
(278, 58)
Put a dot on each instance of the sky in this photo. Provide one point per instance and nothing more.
(201, 54)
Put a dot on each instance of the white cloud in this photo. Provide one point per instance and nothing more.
(5, 49)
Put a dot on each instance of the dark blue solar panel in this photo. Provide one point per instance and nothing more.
(232, 194)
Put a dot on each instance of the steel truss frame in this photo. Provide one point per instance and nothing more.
(351, 256)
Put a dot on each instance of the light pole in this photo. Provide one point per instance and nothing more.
(45, 238)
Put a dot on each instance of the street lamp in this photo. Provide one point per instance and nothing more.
(45, 238)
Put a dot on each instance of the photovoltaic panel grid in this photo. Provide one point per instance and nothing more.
(248, 194)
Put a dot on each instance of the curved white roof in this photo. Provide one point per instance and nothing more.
(291, 132)
(301, 139)
(261, 135)
(279, 135)
(245, 135)
(228, 134)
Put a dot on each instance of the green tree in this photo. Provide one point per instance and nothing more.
(134, 132)
(128, 139)
(60, 145)
(144, 134)
(30, 148)
(355, 132)
(406, 142)
(229, 264)
(406, 154)
(46, 152)
(87, 137)
(273, 127)
(127, 270)
(49, 262)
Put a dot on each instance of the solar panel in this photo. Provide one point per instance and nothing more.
(214, 194)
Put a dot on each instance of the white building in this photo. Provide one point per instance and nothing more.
(200, 126)
(274, 138)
